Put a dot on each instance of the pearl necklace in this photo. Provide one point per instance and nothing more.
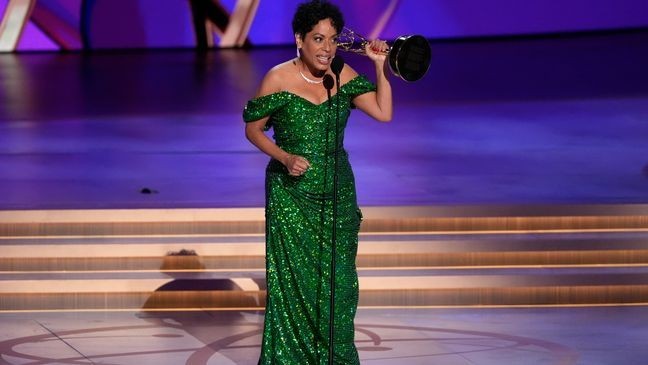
(310, 81)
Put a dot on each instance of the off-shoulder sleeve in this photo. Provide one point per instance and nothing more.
(358, 86)
(264, 106)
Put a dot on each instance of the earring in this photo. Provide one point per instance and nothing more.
(298, 55)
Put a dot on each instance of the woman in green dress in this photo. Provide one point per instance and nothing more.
(293, 101)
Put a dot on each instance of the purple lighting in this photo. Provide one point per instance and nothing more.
(57, 24)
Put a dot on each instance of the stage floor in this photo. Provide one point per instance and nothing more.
(558, 120)
(502, 122)
(512, 336)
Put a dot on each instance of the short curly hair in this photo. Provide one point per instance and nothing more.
(309, 13)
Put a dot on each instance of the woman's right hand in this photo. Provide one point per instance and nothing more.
(296, 165)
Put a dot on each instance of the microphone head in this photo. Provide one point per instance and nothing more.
(337, 65)
(328, 82)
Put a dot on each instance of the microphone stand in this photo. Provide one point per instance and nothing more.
(336, 66)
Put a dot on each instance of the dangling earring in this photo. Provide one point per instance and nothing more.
(298, 55)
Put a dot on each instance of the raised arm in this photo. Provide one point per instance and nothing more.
(377, 105)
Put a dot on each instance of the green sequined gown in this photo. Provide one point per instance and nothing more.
(298, 231)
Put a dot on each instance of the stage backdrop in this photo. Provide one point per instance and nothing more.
(107, 24)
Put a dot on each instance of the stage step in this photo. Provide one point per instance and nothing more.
(242, 221)
(379, 288)
(409, 256)
(204, 253)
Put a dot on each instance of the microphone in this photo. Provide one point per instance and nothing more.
(328, 84)
(336, 67)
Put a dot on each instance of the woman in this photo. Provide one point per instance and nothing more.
(293, 101)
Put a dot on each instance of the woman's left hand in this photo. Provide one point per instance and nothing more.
(376, 50)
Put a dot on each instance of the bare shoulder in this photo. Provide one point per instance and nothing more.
(347, 74)
(273, 81)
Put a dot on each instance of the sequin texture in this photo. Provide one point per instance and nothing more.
(299, 219)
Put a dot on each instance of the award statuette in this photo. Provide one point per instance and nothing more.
(409, 56)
